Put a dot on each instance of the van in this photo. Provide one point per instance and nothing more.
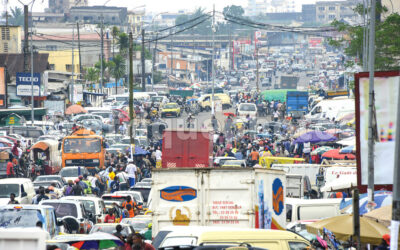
(245, 109)
(93, 205)
(301, 209)
(205, 101)
(263, 238)
(28, 216)
(21, 187)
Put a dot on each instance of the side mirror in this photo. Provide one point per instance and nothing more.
(24, 194)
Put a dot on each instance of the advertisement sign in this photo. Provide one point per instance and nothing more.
(178, 193)
(3, 87)
(24, 87)
(386, 97)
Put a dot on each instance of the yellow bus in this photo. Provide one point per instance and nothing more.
(267, 161)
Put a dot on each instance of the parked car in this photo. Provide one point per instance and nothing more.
(92, 205)
(110, 228)
(71, 173)
(58, 178)
(21, 187)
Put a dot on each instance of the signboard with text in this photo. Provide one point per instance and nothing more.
(24, 84)
(3, 87)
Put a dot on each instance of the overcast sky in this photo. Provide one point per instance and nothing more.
(154, 6)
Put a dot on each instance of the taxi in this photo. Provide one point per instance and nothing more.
(171, 109)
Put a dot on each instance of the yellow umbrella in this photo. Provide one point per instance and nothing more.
(382, 215)
(342, 227)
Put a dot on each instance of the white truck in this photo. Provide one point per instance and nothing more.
(23, 238)
(229, 197)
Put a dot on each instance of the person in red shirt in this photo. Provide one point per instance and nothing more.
(138, 243)
(110, 218)
(10, 169)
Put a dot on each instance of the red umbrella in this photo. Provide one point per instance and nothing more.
(229, 114)
(75, 109)
(335, 154)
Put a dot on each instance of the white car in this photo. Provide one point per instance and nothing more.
(245, 109)
(93, 205)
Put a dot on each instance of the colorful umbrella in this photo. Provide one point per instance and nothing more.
(315, 137)
(342, 227)
(348, 150)
(333, 131)
(347, 141)
(229, 114)
(75, 109)
(334, 154)
(321, 150)
(380, 199)
(140, 151)
(97, 240)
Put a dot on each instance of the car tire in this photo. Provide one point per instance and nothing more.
(208, 109)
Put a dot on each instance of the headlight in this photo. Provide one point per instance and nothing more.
(96, 161)
(68, 161)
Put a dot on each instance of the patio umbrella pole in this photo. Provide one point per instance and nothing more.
(356, 218)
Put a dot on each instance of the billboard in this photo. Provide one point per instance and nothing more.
(386, 98)
(3, 88)
(24, 87)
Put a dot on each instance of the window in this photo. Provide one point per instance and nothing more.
(321, 16)
(5, 33)
(52, 67)
(332, 8)
(321, 8)
(342, 8)
(5, 48)
(297, 245)
(331, 17)
(68, 67)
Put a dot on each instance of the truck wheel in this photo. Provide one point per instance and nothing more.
(208, 109)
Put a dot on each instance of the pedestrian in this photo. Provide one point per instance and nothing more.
(77, 188)
(52, 195)
(12, 199)
(139, 244)
(254, 156)
(114, 185)
(131, 171)
(110, 217)
(148, 234)
(42, 195)
(158, 155)
(68, 191)
(85, 180)
(128, 205)
(10, 169)
(385, 243)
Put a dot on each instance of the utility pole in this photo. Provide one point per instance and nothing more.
(73, 66)
(172, 56)
(371, 109)
(356, 218)
(32, 99)
(26, 38)
(79, 49)
(257, 72)
(143, 64)
(101, 53)
(131, 89)
(153, 63)
(212, 61)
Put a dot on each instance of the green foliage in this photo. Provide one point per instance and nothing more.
(117, 67)
(123, 43)
(202, 29)
(387, 41)
(92, 74)
(17, 17)
(138, 47)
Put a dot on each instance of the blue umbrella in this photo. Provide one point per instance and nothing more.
(140, 151)
(381, 198)
(315, 137)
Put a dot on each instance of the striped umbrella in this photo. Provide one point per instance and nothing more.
(321, 150)
(348, 150)
(97, 240)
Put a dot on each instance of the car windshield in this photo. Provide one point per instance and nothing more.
(7, 189)
(233, 163)
(82, 145)
(48, 178)
(137, 225)
(63, 209)
(70, 172)
(104, 114)
(89, 206)
(110, 229)
(170, 106)
(157, 99)
(42, 183)
(247, 107)
(19, 217)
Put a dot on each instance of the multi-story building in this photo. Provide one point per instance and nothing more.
(10, 39)
(94, 14)
(393, 6)
(308, 13)
(63, 6)
(135, 21)
(327, 11)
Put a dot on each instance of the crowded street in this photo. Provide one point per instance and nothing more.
(223, 127)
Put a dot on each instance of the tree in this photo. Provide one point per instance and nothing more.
(92, 75)
(117, 69)
(17, 17)
(123, 43)
(115, 34)
(387, 40)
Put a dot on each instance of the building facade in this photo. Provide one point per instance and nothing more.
(94, 14)
(327, 11)
(308, 13)
(135, 21)
(10, 39)
(63, 6)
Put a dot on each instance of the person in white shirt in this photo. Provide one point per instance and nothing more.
(158, 155)
(131, 171)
